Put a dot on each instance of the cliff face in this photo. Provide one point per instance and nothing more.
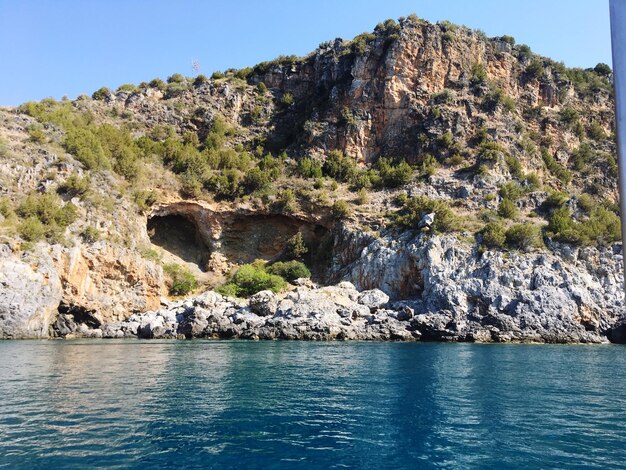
(98, 194)
(409, 87)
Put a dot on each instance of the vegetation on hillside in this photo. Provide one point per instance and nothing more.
(550, 161)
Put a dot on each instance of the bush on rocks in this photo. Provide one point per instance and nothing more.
(290, 270)
(182, 280)
(524, 237)
(250, 279)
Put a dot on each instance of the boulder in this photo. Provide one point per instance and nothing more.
(264, 303)
(373, 299)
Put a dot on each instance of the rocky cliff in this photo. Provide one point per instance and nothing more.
(464, 186)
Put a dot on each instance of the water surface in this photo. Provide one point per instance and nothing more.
(166, 404)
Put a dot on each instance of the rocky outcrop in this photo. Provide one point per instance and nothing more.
(55, 291)
(30, 293)
(341, 313)
(306, 313)
(480, 112)
(110, 281)
(464, 296)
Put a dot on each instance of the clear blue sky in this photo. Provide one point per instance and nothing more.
(68, 47)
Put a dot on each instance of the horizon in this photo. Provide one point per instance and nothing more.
(126, 44)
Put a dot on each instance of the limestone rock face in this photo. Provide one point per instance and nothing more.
(414, 91)
(30, 293)
(531, 296)
(69, 288)
(111, 281)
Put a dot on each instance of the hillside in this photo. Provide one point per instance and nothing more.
(471, 180)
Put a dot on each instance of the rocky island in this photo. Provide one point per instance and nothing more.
(420, 182)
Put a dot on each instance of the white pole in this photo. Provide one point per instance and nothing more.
(618, 40)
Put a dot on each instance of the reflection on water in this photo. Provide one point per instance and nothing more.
(128, 404)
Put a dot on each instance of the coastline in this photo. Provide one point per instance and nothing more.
(332, 313)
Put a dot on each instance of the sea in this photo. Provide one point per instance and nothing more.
(278, 404)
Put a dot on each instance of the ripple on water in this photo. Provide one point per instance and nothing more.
(205, 404)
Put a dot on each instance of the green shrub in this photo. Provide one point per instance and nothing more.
(200, 80)
(158, 84)
(87, 148)
(227, 184)
(393, 176)
(31, 229)
(603, 69)
(535, 69)
(127, 87)
(515, 167)
(175, 78)
(554, 167)
(493, 235)
(556, 199)
(401, 199)
(507, 209)
(596, 131)
(250, 279)
(36, 134)
(508, 39)
(340, 210)
(568, 115)
(182, 280)
(243, 73)
(444, 96)
(524, 237)
(490, 151)
(496, 98)
(4, 149)
(256, 180)
(290, 270)
(6, 208)
(511, 190)
(362, 197)
(339, 166)
(478, 74)
(47, 209)
(430, 164)
(90, 235)
(532, 181)
(309, 168)
(44, 215)
(101, 94)
(286, 201)
(75, 186)
(524, 52)
(586, 203)
(145, 199)
(582, 156)
(174, 89)
(296, 248)
(602, 227)
(387, 28)
(287, 99)
(417, 207)
(261, 88)
(560, 220)
(445, 141)
(191, 184)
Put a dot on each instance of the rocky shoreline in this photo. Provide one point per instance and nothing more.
(329, 313)
(457, 294)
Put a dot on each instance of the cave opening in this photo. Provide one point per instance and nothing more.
(236, 239)
(179, 236)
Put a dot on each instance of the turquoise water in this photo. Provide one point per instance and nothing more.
(132, 404)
